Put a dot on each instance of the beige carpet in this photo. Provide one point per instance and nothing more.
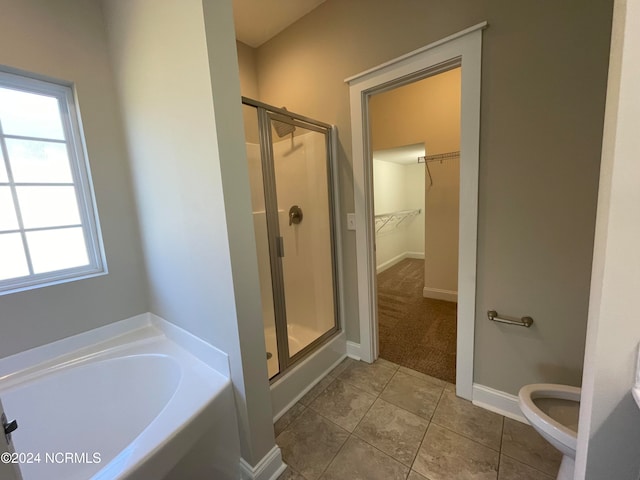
(416, 332)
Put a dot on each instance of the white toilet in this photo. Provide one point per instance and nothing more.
(553, 411)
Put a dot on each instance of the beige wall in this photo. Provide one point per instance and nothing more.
(176, 69)
(390, 195)
(415, 193)
(544, 76)
(428, 112)
(248, 73)
(67, 41)
(398, 187)
(248, 88)
(442, 212)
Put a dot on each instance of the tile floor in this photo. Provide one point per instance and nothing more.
(386, 422)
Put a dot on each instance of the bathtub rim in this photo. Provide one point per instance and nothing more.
(139, 329)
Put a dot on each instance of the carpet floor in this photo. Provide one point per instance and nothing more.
(415, 332)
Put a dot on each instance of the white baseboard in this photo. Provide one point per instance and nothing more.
(303, 376)
(269, 468)
(438, 294)
(397, 259)
(353, 350)
(390, 263)
(498, 402)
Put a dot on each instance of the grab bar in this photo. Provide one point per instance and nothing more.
(523, 322)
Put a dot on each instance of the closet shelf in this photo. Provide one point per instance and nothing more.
(394, 219)
(439, 157)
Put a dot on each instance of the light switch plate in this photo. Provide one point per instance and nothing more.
(351, 221)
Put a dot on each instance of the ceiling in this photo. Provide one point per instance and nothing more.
(404, 155)
(257, 21)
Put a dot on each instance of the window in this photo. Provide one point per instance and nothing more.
(48, 223)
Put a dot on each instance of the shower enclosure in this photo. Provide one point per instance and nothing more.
(290, 171)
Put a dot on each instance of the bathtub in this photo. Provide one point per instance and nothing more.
(136, 406)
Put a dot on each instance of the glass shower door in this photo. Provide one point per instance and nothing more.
(305, 245)
(289, 160)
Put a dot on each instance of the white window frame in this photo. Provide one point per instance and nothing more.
(81, 175)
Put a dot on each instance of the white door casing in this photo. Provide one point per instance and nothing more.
(461, 49)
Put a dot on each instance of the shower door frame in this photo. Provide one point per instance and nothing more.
(266, 113)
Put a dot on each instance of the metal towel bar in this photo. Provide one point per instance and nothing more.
(523, 322)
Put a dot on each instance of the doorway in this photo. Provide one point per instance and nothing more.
(463, 49)
(415, 143)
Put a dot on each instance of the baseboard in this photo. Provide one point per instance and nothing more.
(303, 392)
(397, 259)
(498, 402)
(390, 263)
(303, 376)
(269, 468)
(353, 350)
(438, 294)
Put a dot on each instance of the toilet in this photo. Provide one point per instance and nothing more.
(553, 411)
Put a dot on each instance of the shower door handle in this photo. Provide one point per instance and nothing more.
(280, 246)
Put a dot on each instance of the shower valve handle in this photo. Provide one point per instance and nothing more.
(295, 215)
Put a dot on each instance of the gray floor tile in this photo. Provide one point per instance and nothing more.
(342, 366)
(511, 469)
(523, 443)
(343, 404)
(311, 395)
(310, 443)
(285, 420)
(463, 417)
(387, 363)
(371, 377)
(360, 461)
(445, 455)
(413, 394)
(423, 376)
(393, 430)
(290, 474)
(413, 475)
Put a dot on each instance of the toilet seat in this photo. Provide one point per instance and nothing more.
(558, 434)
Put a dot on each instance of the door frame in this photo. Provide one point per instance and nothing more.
(462, 49)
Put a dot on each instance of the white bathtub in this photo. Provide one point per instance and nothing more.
(137, 407)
